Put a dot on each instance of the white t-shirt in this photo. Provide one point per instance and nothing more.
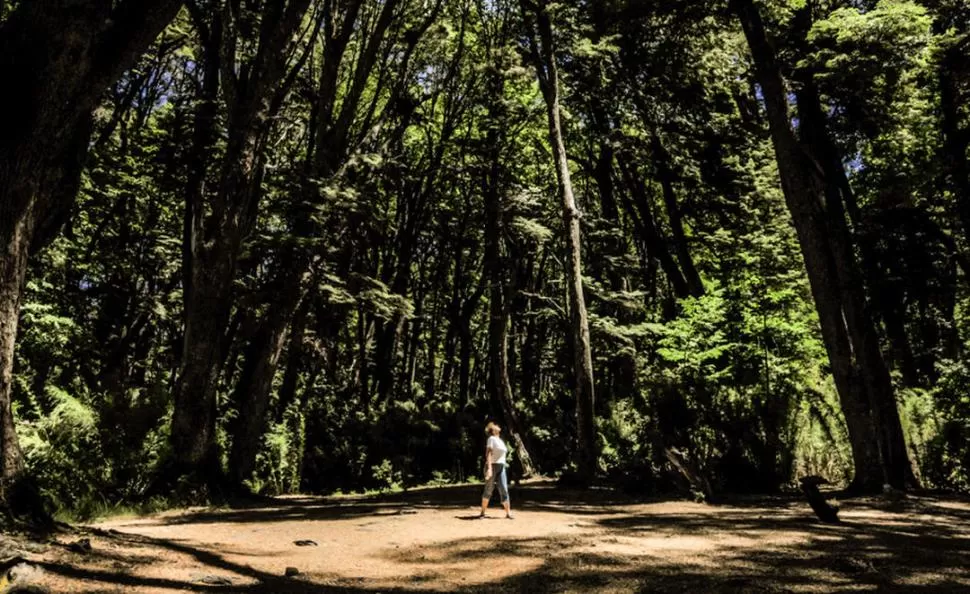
(498, 450)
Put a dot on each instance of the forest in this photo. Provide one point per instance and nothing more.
(313, 246)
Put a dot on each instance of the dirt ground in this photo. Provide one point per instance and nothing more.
(430, 540)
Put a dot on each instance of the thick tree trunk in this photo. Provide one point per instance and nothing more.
(213, 236)
(499, 384)
(203, 298)
(13, 266)
(861, 377)
(56, 59)
(857, 313)
(813, 130)
(545, 62)
(256, 381)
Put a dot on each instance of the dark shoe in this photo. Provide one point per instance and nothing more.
(481, 516)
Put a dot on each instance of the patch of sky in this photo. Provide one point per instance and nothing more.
(426, 78)
(854, 165)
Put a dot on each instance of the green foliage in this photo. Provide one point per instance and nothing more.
(871, 64)
(947, 463)
(63, 451)
(385, 476)
(382, 377)
(278, 462)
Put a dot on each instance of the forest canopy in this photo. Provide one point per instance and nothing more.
(315, 245)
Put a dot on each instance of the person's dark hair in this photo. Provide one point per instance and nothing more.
(492, 428)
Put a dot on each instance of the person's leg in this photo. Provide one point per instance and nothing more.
(487, 492)
(503, 490)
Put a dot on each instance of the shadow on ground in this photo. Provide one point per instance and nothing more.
(534, 496)
(873, 551)
(766, 545)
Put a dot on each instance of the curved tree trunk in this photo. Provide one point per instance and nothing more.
(56, 59)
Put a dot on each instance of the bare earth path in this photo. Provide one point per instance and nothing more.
(561, 541)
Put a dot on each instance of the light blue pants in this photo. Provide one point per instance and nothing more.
(498, 477)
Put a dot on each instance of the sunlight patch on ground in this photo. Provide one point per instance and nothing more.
(369, 546)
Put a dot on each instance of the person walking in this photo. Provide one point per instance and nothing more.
(495, 465)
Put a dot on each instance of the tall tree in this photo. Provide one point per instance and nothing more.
(496, 265)
(543, 51)
(217, 221)
(56, 59)
(338, 126)
(861, 376)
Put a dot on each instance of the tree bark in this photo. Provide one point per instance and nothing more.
(544, 57)
(861, 377)
(56, 59)
(13, 267)
(496, 266)
(213, 236)
(667, 178)
(256, 380)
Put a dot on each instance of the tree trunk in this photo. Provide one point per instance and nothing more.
(530, 366)
(496, 266)
(857, 313)
(813, 130)
(56, 61)
(667, 178)
(861, 377)
(956, 137)
(13, 266)
(213, 236)
(638, 207)
(544, 57)
(255, 383)
(294, 361)
(193, 420)
(465, 348)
